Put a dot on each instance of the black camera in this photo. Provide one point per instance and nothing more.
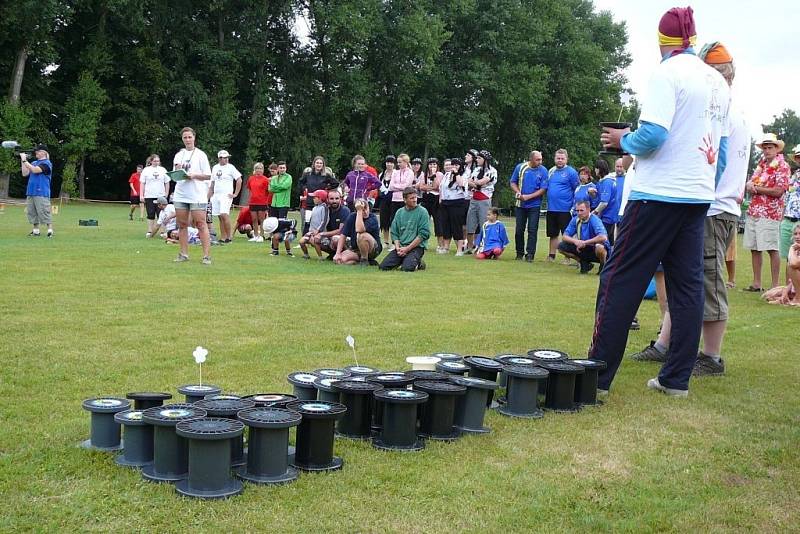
(17, 148)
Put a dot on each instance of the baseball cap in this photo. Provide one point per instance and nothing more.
(223, 154)
(162, 200)
(320, 194)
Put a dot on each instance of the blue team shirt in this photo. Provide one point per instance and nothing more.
(561, 189)
(491, 236)
(608, 192)
(582, 195)
(533, 179)
(39, 184)
(589, 229)
(620, 189)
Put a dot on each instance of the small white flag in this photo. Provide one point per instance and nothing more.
(350, 341)
(200, 354)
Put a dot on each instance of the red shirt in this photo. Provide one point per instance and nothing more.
(259, 190)
(134, 181)
(244, 217)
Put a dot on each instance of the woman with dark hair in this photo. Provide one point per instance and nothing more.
(586, 191)
(607, 206)
(317, 176)
(402, 177)
(428, 186)
(452, 207)
(481, 183)
(419, 173)
(385, 197)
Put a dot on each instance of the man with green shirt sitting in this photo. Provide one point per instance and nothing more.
(410, 232)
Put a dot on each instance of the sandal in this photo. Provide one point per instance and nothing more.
(730, 285)
(753, 289)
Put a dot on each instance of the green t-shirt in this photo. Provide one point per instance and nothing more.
(281, 188)
(410, 224)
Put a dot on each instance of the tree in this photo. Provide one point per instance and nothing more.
(15, 123)
(84, 110)
(787, 127)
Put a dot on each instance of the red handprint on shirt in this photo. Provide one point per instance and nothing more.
(708, 150)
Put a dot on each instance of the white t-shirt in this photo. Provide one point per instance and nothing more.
(223, 177)
(153, 182)
(167, 218)
(689, 99)
(487, 188)
(731, 184)
(193, 162)
(627, 185)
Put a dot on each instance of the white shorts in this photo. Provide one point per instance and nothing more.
(221, 204)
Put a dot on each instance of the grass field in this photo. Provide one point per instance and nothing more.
(102, 311)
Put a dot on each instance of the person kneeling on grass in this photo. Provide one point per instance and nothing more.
(492, 238)
(282, 230)
(585, 239)
(410, 231)
(787, 294)
(316, 224)
(244, 222)
(360, 241)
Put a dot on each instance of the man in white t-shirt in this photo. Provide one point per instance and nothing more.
(153, 183)
(226, 182)
(191, 195)
(684, 117)
(166, 218)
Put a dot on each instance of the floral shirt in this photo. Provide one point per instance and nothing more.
(793, 197)
(774, 174)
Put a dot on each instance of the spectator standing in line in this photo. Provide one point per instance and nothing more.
(260, 199)
(428, 186)
(529, 183)
(587, 190)
(39, 173)
(359, 182)
(470, 169)
(762, 229)
(560, 198)
(410, 233)
(402, 177)
(492, 239)
(481, 184)
(360, 241)
(608, 193)
(384, 203)
(317, 176)
(153, 183)
(226, 184)
(453, 207)
(419, 174)
(135, 186)
(191, 195)
(280, 186)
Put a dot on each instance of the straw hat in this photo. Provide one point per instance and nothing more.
(772, 139)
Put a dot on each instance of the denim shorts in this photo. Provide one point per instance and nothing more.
(190, 206)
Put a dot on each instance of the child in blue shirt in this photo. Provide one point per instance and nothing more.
(492, 238)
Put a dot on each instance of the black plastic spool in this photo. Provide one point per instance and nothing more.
(486, 368)
(547, 355)
(452, 367)
(329, 372)
(447, 356)
(138, 450)
(196, 392)
(210, 442)
(143, 400)
(356, 423)
(314, 441)
(267, 460)
(362, 370)
(399, 431)
(522, 391)
(392, 380)
(471, 407)
(560, 396)
(222, 396)
(439, 412)
(303, 385)
(325, 391)
(586, 383)
(170, 451)
(424, 374)
(228, 408)
(271, 400)
(104, 431)
(510, 359)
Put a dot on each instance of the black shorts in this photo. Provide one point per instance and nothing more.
(587, 253)
(557, 222)
(152, 208)
(258, 207)
(280, 213)
(134, 201)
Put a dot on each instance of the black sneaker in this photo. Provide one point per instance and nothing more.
(274, 252)
(363, 263)
(529, 258)
(635, 324)
(650, 354)
(421, 266)
(228, 241)
(708, 366)
(519, 256)
(34, 234)
(586, 267)
(289, 253)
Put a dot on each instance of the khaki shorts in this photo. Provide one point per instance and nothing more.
(38, 210)
(718, 233)
(761, 234)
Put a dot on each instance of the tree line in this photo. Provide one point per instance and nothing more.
(107, 82)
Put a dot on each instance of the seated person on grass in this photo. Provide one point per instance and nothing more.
(360, 241)
(585, 239)
(492, 238)
(337, 215)
(244, 222)
(282, 230)
(166, 217)
(317, 222)
(787, 294)
(410, 231)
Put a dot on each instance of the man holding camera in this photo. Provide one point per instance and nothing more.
(39, 173)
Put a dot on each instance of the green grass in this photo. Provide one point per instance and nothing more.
(102, 311)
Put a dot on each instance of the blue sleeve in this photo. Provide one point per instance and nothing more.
(479, 237)
(503, 235)
(605, 190)
(597, 226)
(543, 177)
(371, 225)
(515, 175)
(572, 227)
(722, 159)
(574, 180)
(646, 139)
(349, 228)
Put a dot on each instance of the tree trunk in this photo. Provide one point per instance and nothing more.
(220, 31)
(4, 181)
(15, 87)
(81, 181)
(367, 131)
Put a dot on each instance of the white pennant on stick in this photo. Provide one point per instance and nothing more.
(199, 357)
(352, 342)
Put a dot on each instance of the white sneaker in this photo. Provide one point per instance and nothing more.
(148, 235)
(442, 251)
(653, 383)
(460, 252)
(253, 239)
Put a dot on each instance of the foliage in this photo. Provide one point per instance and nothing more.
(787, 127)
